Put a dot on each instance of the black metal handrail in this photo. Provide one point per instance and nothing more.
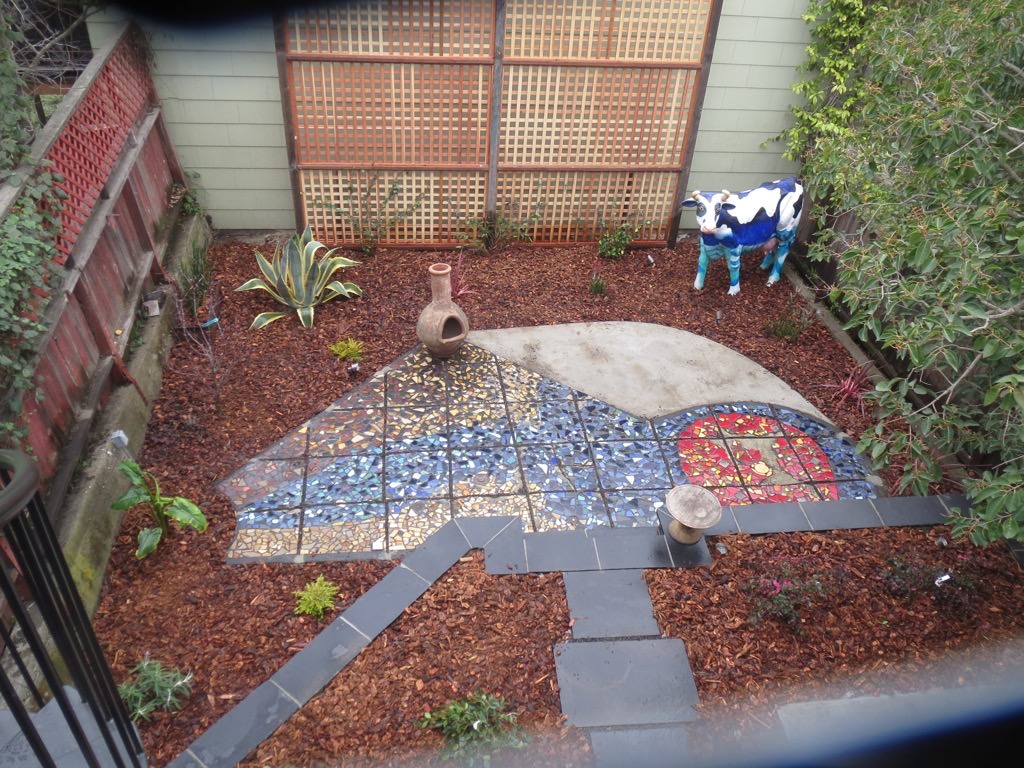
(47, 636)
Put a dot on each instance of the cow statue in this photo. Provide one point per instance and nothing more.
(762, 219)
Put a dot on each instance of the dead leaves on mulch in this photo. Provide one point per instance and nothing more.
(471, 631)
(861, 634)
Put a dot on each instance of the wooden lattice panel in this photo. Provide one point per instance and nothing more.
(92, 139)
(439, 203)
(412, 114)
(594, 116)
(573, 204)
(394, 28)
(641, 30)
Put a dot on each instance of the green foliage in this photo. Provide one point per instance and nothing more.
(597, 283)
(613, 243)
(783, 597)
(27, 237)
(509, 224)
(347, 349)
(316, 598)
(474, 727)
(190, 205)
(194, 279)
(145, 489)
(375, 213)
(154, 687)
(794, 320)
(924, 165)
(298, 279)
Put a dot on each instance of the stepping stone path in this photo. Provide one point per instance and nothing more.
(618, 677)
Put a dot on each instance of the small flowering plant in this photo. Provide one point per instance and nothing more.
(783, 596)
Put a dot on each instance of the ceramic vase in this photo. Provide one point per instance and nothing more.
(442, 326)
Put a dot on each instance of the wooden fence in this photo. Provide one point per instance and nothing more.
(583, 111)
(107, 139)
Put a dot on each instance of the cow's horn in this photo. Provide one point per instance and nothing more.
(696, 194)
(725, 194)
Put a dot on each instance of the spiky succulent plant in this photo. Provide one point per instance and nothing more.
(298, 279)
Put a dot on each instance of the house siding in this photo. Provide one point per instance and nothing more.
(222, 103)
(759, 46)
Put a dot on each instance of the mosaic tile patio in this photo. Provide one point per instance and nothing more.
(423, 441)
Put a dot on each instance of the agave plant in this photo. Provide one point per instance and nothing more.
(298, 279)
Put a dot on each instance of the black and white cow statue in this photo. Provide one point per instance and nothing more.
(762, 219)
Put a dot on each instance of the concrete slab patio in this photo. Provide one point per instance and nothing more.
(645, 369)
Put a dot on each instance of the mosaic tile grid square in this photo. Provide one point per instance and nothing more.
(425, 440)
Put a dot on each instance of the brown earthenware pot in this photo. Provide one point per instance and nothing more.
(442, 326)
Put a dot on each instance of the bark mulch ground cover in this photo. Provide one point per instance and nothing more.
(231, 626)
(470, 632)
(804, 616)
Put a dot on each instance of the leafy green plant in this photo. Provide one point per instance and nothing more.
(347, 349)
(194, 279)
(190, 205)
(918, 162)
(947, 589)
(154, 687)
(509, 224)
(783, 597)
(597, 284)
(316, 598)
(296, 278)
(794, 321)
(474, 727)
(613, 243)
(145, 489)
(27, 237)
(373, 215)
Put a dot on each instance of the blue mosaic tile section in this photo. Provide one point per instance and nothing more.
(424, 440)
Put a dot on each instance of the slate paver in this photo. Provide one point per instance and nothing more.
(631, 548)
(560, 551)
(625, 682)
(910, 510)
(658, 747)
(607, 604)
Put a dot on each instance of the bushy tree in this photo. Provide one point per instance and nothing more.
(927, 165)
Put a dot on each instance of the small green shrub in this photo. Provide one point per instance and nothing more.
(613, 243)
(194, 279)
(508, 225)
(373, 215)
(190, 205)
(145, 489)
(948, 590)
(794, 321)
(316, 598)
(347, 349)
(154, 687)
(783, 597)
(296, 278)
(597, 283)
(474, 727)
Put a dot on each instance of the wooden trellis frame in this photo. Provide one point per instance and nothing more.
(587, 109)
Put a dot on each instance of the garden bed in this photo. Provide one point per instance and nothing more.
(232, 625)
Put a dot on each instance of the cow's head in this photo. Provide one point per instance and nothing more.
(709, 207)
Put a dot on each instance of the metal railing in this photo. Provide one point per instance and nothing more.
(49, 650)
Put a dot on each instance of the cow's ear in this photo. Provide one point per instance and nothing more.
(689, 203)
(728, 206)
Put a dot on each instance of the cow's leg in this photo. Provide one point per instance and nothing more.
(768, 251)
(781, 253)
(702, 267)
(734, 272)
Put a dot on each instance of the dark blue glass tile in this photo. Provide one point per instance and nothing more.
(561, 511)
(271, 518)
(806, 424)
(630, 509)
(670, 427)
(344, 479)
(605, 422)
(553, 421)
(479, 425)
(416, 475)
(342, 513)
(629, 465)
(485, 471)
(856, 490)
(846, 462)
(558, 467)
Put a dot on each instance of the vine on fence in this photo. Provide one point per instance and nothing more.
(917, 136)
(27, 237)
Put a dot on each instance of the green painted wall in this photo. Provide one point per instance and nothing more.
(222, 103)
(760, 43)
